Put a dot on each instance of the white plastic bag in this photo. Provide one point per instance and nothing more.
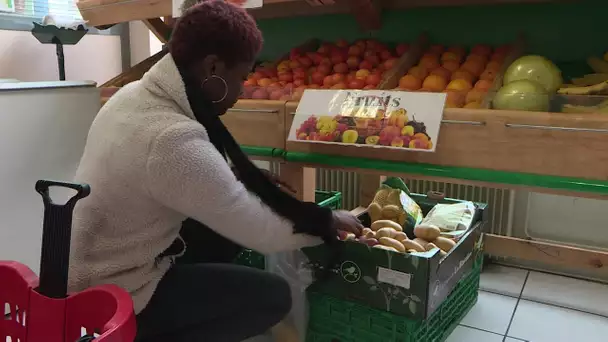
(292, 267)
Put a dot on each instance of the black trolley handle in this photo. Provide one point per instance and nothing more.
(56, 233)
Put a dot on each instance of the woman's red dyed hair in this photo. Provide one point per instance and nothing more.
(215, 27)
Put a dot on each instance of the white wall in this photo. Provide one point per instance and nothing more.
(95, 57)
(143, 43)
(42, 136)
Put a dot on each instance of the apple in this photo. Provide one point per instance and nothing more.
(338, 78)
(401, 49)
(386, 55)
(390, 63)
(317, 77)
(294, 64)
(373, 79)
(260, 94)
(285, 77)
(328, 81)
(324, 69)
(362, 73)
(305, 61)
(325, 61)
(355, 50)
(276, 94)
(299, 74)
(356, 84)
(353, 62)
(366, 65)
(341, 43)
(337, 58)
(299, 82)
(341, 68)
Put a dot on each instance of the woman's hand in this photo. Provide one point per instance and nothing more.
(344, 220)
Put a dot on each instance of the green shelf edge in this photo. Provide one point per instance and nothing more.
(481, 175)
(263, 151)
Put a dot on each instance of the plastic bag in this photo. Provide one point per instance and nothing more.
(292, 266)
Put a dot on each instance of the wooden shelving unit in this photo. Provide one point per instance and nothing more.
(546, 152)
(107, 12)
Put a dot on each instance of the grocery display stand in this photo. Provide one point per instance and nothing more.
(545, 152)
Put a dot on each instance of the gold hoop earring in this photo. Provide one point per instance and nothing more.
(223, 81)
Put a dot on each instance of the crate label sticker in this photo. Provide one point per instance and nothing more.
(369, 119)
(393, 277)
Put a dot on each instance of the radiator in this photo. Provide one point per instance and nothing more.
(500, 201)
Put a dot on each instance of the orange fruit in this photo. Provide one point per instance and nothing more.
(488, 75)
(473, 105)
(493, 65)
(474, 67)
(434, 83)
(437, 49)
(458, 50)
(455, 99)
(463, 74)
(477, 58)
(498, 57)
(482, 49)
(451, 56)
(410, 82)
(429, 61)
(474, 95)
(441, 71)
(459, 85)
(451, 65)
(419, 72)
(483, 85)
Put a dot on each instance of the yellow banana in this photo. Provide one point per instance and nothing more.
(598, 65)
(589, 79)
(596, 89)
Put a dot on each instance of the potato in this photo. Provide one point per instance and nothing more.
(444, 244)
(400, 236)
(369, 241)
(375, 211)
(427, 232)
(430, 246)
(368, 233)
(346, 236)
(421, 242)
(385, 232)
(387, 241)
(409, 244)
(380, 246)
(386, 223)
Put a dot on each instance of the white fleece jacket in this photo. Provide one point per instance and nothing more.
(150, 166)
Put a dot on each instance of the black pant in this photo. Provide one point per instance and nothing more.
(212, 302)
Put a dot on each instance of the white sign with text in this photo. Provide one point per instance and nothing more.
(372, 118)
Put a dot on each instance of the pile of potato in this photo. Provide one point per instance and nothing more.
(389, 235)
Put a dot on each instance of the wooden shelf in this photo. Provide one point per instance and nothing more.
(367, 12)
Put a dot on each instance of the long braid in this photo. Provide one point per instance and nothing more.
(307, 217)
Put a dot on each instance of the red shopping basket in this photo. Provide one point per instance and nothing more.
(40, 310)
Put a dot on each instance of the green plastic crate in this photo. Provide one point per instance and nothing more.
(326, 199)
(335, 320)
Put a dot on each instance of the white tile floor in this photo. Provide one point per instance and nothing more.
(518, 305)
